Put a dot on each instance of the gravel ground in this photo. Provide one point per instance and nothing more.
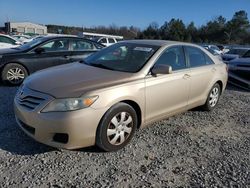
(197, 149)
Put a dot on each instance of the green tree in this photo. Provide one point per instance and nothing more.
(191, 33)
(236, 29)
(173, 30)
(151, 31)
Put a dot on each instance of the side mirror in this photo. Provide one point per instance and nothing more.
(161, 69)
(39, 50)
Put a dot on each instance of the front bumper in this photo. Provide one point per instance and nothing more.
(77, 128)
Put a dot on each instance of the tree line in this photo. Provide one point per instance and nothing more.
(218, 30)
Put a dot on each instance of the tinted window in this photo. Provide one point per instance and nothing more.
(209, 61)
(103, 40)
(125, 57)
(196, 57)
(82, 45)
(56, 45)
(111, 40)
(247, 54)
(7, 40)
(173, 57)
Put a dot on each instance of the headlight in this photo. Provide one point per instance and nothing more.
(69, 104)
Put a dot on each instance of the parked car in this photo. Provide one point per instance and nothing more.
(7, 41)
(239, 71)
(23, 38)
(106, 41)
(223, 48)
(105, 98)
(234, 53)
(213, 49)
(17, 63)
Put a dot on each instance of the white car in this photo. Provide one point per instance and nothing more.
(7, 41)
(106, 41)
(213, 48)
(23, 38)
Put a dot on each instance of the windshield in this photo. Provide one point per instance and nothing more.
(247, 54)
(31, 44)
(125, 57)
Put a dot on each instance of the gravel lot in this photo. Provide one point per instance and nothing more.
(197, 149)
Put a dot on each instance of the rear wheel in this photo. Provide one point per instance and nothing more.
(213, 98)
(116, 127)
(14, 74)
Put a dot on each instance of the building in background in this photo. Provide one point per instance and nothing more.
(25, 28)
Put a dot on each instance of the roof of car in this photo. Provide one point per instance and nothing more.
(65, 36)
(60, 36)
(156, 42)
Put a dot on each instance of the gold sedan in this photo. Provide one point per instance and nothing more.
(106, 97)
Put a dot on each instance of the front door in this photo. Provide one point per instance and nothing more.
(166, 94)
(56, 52)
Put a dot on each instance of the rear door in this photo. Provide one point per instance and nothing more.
(202, 71)
(56, 52)
(81, 49)
(111, 41)
(168, 93)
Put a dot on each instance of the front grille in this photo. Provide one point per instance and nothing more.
(29, 102)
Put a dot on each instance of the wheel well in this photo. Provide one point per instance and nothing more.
(137, 110)
(220, 84)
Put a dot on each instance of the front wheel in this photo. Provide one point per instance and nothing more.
(213, 98)
(14, 74)
(116, 127)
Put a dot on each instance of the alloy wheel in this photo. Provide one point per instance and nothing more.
(15, 75)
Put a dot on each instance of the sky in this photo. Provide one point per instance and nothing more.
(139, 13)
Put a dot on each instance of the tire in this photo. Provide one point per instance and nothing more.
(212, 98)
(120, 131)
(13, 74)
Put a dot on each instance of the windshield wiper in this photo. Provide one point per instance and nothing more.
(100, 66)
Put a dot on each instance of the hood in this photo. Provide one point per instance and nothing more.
(240, 61)
(229, 56)
(73, 80)
(9, 51)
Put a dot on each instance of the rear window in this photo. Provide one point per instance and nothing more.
(111, 40)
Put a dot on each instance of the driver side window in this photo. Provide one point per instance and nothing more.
(174, 57)
(56, 45)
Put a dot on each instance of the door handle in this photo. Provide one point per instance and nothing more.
(66, 56)
(186, 76)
